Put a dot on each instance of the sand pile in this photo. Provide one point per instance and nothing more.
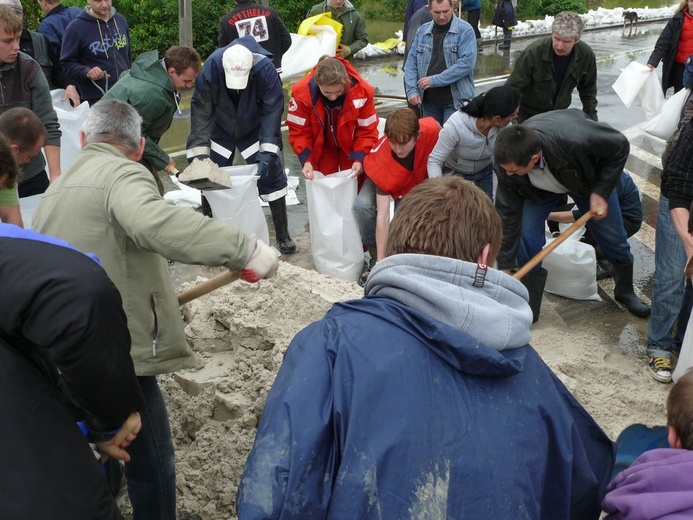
(240, 333)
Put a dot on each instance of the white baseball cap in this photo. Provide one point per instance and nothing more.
(237, 62)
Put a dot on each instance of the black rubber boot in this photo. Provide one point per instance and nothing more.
(281, 226)
(505, 44)
(535, 287)
(624, 293)
(604, 269)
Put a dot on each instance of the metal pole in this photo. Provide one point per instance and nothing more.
(185, 32)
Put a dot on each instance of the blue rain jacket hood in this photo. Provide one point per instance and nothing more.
(393, 406)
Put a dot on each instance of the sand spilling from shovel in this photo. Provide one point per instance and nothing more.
(205, 175)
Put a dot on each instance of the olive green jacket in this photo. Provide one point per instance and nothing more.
(533, 75)
(149, 89)
(109, 205)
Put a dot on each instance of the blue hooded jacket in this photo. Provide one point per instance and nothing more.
(90, 42)
(389, 408)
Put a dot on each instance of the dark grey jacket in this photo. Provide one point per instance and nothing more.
(585, 156)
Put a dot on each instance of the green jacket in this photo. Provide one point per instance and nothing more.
(354, 34)
(533, 75)
(109, 205)
(149, 89)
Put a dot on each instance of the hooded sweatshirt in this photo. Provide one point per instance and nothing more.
(461, 147)
(424, 400)
(657, 486)
(90, 42)
(354, 34)
(150, 90)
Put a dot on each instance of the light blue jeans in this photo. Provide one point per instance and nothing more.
(440, 113)
(667, 287)
(151, 474)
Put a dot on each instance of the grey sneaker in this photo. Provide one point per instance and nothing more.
(660, 369)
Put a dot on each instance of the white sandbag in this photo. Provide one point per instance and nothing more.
(630, 81)
(572, 269)
(239, 206)
(70, 120)
(334, 234)
(184, 196)
(664, 124)
(685, 360)
(651, 96)
(305, 51)
(27, 207)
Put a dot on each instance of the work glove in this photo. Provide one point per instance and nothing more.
(343, 51)
(262, 168)
(262, 264)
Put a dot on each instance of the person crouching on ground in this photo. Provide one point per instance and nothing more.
(394, 166)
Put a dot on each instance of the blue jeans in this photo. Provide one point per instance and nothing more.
(483, 179)
(440, 113)
(667, 286)
(608, 232)
(366, 212)
(151, 474)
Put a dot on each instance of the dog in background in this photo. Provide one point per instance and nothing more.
(630, 17)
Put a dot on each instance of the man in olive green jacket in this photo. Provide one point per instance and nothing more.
(108, 204)
(354, 35)
(549, 69)
(153, 87)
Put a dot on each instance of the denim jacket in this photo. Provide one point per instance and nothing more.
(459, 48)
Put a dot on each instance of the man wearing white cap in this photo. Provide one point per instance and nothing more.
(238, 103)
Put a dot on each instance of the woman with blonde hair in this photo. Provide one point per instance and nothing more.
(332, 119)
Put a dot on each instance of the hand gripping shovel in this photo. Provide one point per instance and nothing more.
(207, 287)
(553, 245)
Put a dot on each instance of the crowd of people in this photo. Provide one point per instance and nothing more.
(387, 396)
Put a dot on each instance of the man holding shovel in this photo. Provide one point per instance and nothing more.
(107, 203)
(554, 153)
(238, 103)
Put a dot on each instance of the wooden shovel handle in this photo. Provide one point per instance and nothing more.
(553, 245)
(207, 287)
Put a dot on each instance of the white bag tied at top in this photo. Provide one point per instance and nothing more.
(572, 269)
(334, 234)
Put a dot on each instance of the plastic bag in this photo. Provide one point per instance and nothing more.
(572, 269)
(664, 124)
(70, 120)
(686, 356)
(637, 81)
(651, 96)
(334, 234)
(239, 207)
(305, 51)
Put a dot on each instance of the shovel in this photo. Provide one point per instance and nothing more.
(207, 287)
(553, 245)
(204, 176)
